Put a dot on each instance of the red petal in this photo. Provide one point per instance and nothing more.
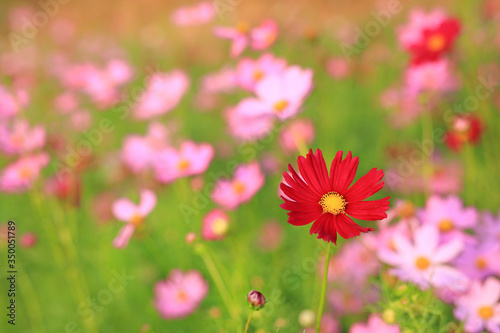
(347, 228)
(324, 226)
(299, 218)
(342, 172)
(365, 186)
(368, 210)
(312, 176)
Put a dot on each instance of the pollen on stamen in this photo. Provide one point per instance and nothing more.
(280, 106)
(137, 220)
(333, 203)
(183, 164)
(436, 42)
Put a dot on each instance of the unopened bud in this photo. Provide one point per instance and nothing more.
(256, 300)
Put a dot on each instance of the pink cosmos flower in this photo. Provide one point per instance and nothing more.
(163, 93)
(191, 159)
(431, 77)
(489, 229)
(20, 175)
(222, 81)
(250, 72)
(419, 21)
(138, 152)
(133, 215)
(264, 35)
(20, 138)
(247, 181)
(404, 104)
(480, 307)
(81, 120)
(66, 102)
(180, 294)
(424, 261)
(297, 133)
(449, 216)
(118, 71)
(338, 68)
(374, 325)
(193, 15)
(12, 103)
(248, 129)
(480, 261)
(328, 325)
(238, 36)
(215, 225)
(279, 95)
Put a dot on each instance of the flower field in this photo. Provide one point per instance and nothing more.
(250, 166)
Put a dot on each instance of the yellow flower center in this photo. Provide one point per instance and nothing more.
(25, 173)
(481, 263)
(137, 220)
(219, 226)
(445, 225)
(258, 75)
(485, 312)
(280, 106)
(242, 27)
(422, 263)
(333, 203)
(238, 187)
(182, 296)
(183, 165)
(436, 42)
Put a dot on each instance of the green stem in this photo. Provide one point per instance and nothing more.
(248, 321)
(216, 277)
(323, 288)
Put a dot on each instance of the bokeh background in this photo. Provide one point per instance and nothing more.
(73, 259)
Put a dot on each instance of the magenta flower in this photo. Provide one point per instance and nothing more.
(431, 77)
(424, 261)
(20, 138)
(250, 72)
(480, 261)
(181, 294)
(193, 15)
(297, 132)
(138, 152)
(133, 215)
(191, 159)
(215, 225)
(374, 325)
(479, 308)
(247, 181)
(264, 35)
(163, 92)
(489, 229)
(449, 216)
(248, 129)
(20, 176)
(279, 95)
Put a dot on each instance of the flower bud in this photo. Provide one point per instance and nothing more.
(256, 300)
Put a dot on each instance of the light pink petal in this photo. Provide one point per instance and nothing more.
(123, 209)
(124, 235)
(448, 251)
(147, 203)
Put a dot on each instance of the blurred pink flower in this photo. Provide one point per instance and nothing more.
(238, 36)
(119, 71)
(62, 30)
(133, 215)
(424, 261)
(139, 152)
(81, 120)
(279, 95)
(338, 68)
(248, 129)
(192, 159)
(374, 325)
(344, 299)
(264, 35)
(66, 102)
(405, 106)
(449, 216)
(20, 175)
(447, 177)
(270, 236)
(66, 186)
(250, 72)
(163, 92)
(480, 307)
(193, 15)
(297, 134)
(480, 261)
(489, 229)
(215, 225)
(431, 77)
(181, 294)
(247, 181)
(12, 103)
(328, 325)
(221, 81)
(28, 239)
(20, 138)
(411, 33)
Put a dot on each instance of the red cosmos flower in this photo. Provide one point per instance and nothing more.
(464, 129)
(327, 199)
(435, 42)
